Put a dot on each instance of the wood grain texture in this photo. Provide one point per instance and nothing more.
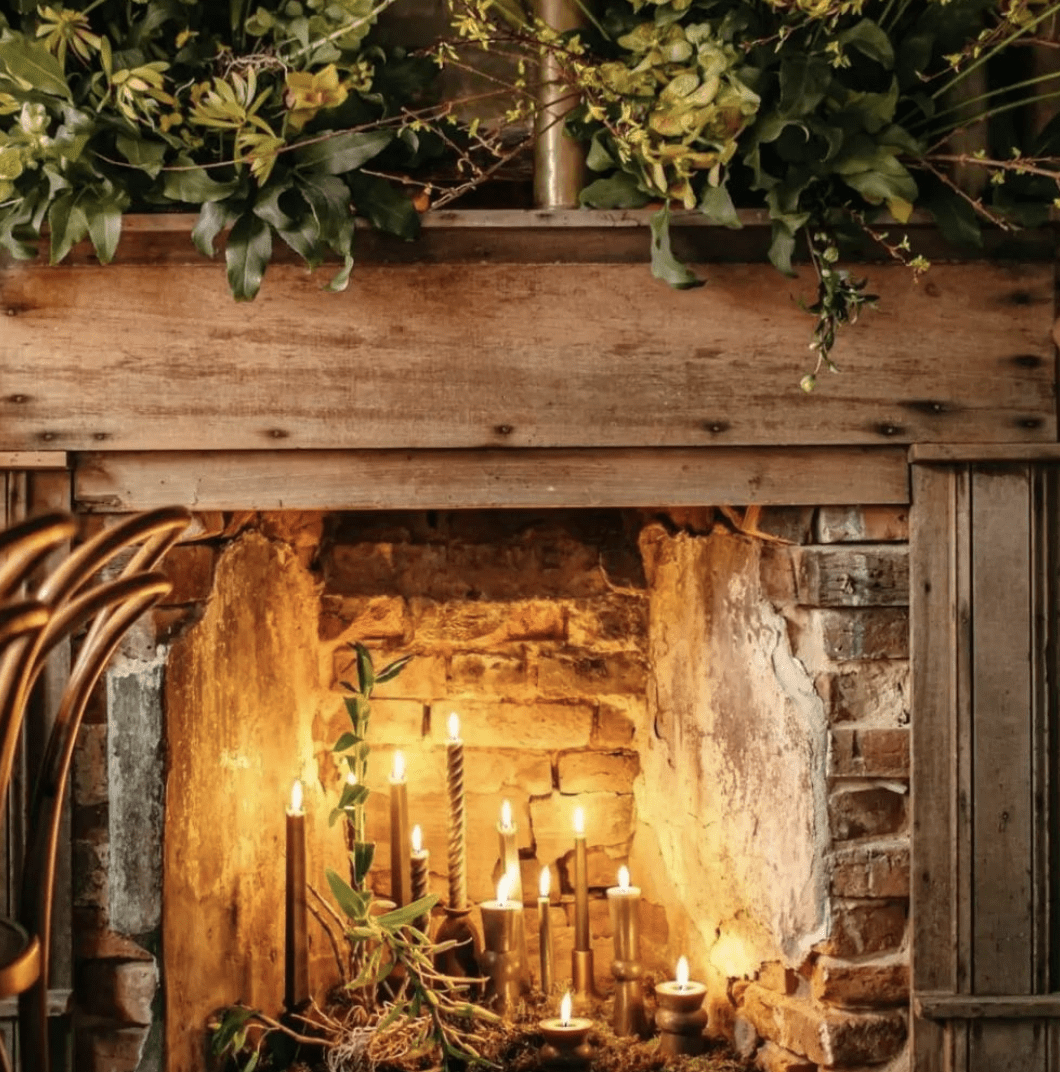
(967, 1007)
(385, 480)
(538, 355)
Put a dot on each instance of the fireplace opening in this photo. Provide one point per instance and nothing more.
(723, 691)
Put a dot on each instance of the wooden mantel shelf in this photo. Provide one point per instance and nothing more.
(512, 330)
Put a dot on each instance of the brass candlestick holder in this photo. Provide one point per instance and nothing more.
(566, 1039)
(462, 960)
(681, 1017)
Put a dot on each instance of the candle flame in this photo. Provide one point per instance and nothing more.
(351, 778)
(506, 816)
(682, 972)
(545, 882)
(398, 774)
(623, 878)
(579, 820)
(296, 796)
(564, 1009)
(454, 727)
(504, 888)
(417, 839)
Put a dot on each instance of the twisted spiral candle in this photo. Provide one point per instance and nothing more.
(457, 816)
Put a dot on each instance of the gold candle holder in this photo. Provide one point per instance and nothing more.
(400, 871)
(502, 959)
(566, 1039)
(296, 941)
(681, 1017)
(624, 903)
(581, 968)
(544, 930)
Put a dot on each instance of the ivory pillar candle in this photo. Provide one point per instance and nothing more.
(681, 1017)
(400, 870)
(544, 930)
(296, 944)
(420, 869)
(454, 757)
(502, 960)
(624, 904)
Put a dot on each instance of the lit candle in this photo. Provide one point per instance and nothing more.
(506, 831)
(502, 961)
(544, 930)
(457, 817)
(582, 954)
(624, 903)
(400, 872)
(296, 948)
(680, 1016)
(566, 1044)
(420, 862)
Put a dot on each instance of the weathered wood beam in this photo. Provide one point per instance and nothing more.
(391, 479)
(969, 1007)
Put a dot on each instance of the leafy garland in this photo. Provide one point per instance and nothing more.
(284, 120)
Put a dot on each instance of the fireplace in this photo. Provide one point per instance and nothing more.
(724, 692)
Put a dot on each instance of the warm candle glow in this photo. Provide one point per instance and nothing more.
(623, 878)
(454, 727)
(504, 888)
(417, 839)
(564, 1009)
(398, 774)
(351, 778)
(506, 816)
(579, 821)
(545, 882)
(682, 972)
(296, 796)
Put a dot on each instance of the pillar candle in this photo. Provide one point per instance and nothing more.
(502, 961)
(296, 945)
(400, 870)
(457, 821)
(624, 903)
(680, 1017)
(544, 931)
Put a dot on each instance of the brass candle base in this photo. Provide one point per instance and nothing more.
(462, 961)
(583, 978)
(628, 1017)
(681, 1017)
(566, 1044)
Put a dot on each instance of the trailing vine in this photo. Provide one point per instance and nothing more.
(288, 120)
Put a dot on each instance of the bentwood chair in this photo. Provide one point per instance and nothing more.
(100, 588)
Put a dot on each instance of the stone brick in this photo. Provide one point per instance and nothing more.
(483, 673)
(868, 576)
(90, 766)
(779, 977)
(617, 720)
(793, 524)
(874, 692)
(869, 753)
(512, 725)
(422, 678)
(392, 722)
(826, 1036)
(536, 620)
(862, 524)
(90, 886)
(774, 1058)
(745, 1038)
(873, 870)
(189, 568)
(864, 984)
(608, 822)
(507, 771)
(863, 927)
(591, 673)
(618, 621)
(871, 811)
(365, 618)
(589, 771)
(119, 990)
(98, 942)
(475, 624)
(102, 1048)
(865, 633)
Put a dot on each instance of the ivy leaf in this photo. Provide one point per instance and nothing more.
(782, 247)
(32, 65)
(347, 740)
(247, 255)
(664, 265)
(598, 158)
(214, 216)
(384, 206)
(68, 225)
(620, 190)
(336, 154)
(194, 186)
(870, 41)
(804, 80)
(104, 226)
(716, 204)
(148, 156)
